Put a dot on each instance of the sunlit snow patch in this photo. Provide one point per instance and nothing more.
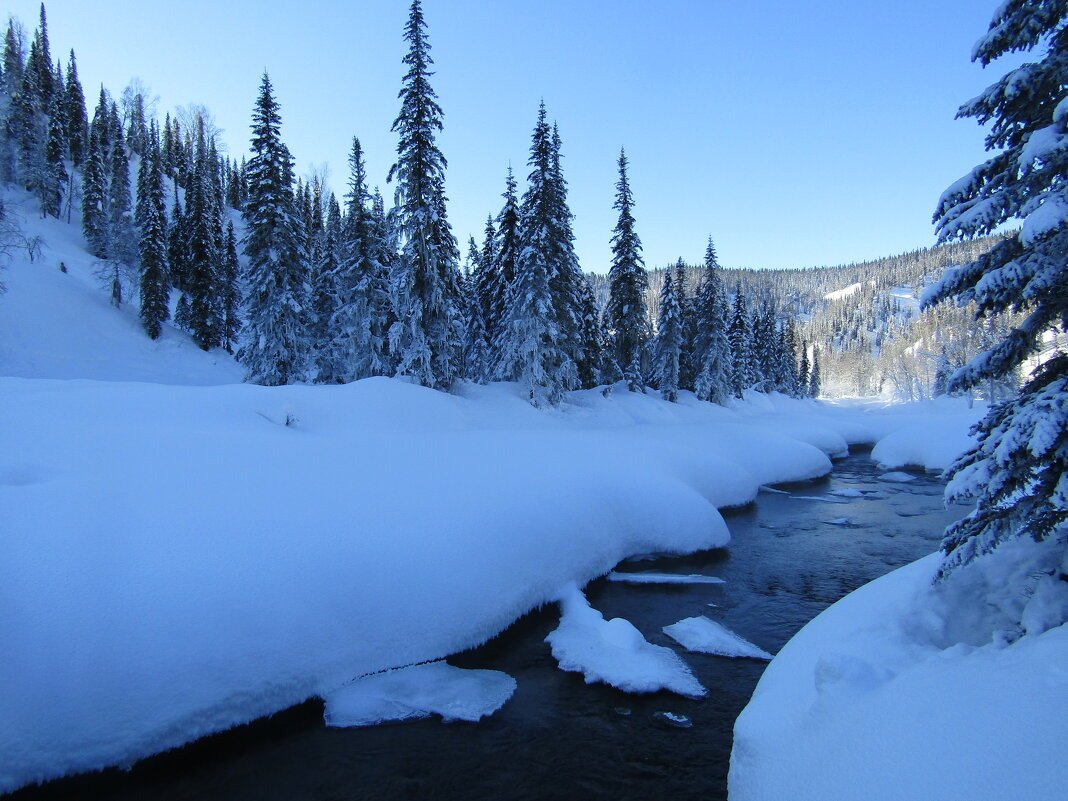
(709, 637)
(418, 691)
(898, 476)
(615, 652)
(664, 578)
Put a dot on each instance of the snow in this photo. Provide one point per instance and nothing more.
(848, 492)
(709, 637)
(419, 691)
(897, 477)
(845, 292)
(663, 578)
(871, 700)
(823, 498)
(927, 444)
(181, 553)
(614, 651)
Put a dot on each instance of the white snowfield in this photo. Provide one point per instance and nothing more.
(877, 699)
(175, 559)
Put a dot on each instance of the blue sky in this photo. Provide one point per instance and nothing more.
(796, 134)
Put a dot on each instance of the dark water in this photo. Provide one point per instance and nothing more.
(559, 737)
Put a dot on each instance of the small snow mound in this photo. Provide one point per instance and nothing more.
(897, 476)
(614, 652)
(849, 492)
(709, 637)
(664, 578)
(418, 691)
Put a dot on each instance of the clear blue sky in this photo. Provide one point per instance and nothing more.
(796, 134)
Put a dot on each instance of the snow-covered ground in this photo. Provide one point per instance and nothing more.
(879, 698)
(180, 553)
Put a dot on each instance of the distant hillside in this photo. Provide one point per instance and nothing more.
(863, 318)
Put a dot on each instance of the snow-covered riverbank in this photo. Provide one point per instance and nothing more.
(177, 560)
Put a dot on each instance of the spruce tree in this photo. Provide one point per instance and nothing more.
(532, 349)
(803, 372)
(591, 368)
(814, 374)
(668, 339)
(1017, 471)
(497, 293)
(325, 285)
(203, 258)
(274, 347)
(626, 318)
(744, 373)
(424, 283)
(711, 347)
(152, 244)
(361, 317)
(229, 298)
(95, 193)
(77, 117)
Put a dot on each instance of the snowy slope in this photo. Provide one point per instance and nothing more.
(62, 325)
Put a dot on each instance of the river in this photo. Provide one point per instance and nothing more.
(559, 738)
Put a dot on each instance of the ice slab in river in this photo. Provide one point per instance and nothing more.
(898, 476)
(419, 691)
(614, 651)
(709, 637)
(664, 578)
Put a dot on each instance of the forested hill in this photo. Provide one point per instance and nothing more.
(801, 292)
(863, 319)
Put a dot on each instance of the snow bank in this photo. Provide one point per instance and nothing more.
(614, 651)
(868, 702)
(931, 445)
(175, 560)
(419, 691)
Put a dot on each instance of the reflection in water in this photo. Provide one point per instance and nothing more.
(558, 737)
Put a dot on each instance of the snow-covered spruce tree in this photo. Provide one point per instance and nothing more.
(496, 292)
(532, 347)
(152, 244)
(744, 373)
(565, 284)
(476, 342)
(275, 340)
(424, 282)
(711, 348)
(204, 264)
(230, 296)
(325, 284)
(485, 278)
(77, 116)
(55, 156)
(591, 368)
(668, 339)
(361, 316)
(814, 375)
(786, 378)
(1017, 472)
(626, 318)
(803, 372)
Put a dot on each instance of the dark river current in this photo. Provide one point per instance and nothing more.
(559, 738)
